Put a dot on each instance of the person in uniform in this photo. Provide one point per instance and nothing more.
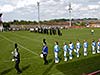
(78, 46)
(71, 48)
(93, 47)
(16, 58)
(85, 46)
(92, 31)
(45, 53)
(56, 52)
(98, 46)
(65, 48)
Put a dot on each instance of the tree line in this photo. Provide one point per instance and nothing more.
(62, 21)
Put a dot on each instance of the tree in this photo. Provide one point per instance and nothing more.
(6, 26)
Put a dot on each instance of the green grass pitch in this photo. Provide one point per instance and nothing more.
(30, 45)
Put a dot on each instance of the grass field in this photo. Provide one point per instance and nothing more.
(30, 45)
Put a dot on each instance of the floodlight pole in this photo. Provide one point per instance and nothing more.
(70, 11)
(38, 4)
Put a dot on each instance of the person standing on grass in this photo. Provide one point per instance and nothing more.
(71, 48)
(56, 51)
(92, 31)
(98, 46)
(16, 58)
(45, 53)
(65, 48)
(85, 46)
(93, 46)
(78, 46)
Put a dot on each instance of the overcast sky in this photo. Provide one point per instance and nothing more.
(49, 9)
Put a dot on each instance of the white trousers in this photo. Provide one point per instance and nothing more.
(77, 52)
(85, 51)
(70, 54)
(93, 50)
(65, 52)
(98, 49)
(65, 57)
(56, 57)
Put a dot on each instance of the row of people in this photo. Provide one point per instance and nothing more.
(47, 30)
(70, 48)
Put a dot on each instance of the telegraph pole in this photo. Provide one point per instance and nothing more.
(70, 14)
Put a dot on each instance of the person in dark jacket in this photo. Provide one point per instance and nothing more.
(16, 56)
(45, 53)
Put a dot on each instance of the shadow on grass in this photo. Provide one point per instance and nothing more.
(6, 71)
(50, 61)
(52, 64)
(25, 67)
(48, 69)
(79, 67)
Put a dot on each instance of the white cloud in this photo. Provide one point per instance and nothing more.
(99, 2)
(17, 4)
(75, 7)
(23, 3)
(83, 8)
(49, 2)
(27, 9)
(93, 7)
(92, 0)
(7, 8)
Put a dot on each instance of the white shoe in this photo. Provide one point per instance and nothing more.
(85, 54)
(77, 56)
(56, 61)
(70, 57)
(65, 59)
(98, 51)
(93, 52)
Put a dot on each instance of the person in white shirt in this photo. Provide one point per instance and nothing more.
(71, 48)
(93, 46)
(56, 51)
(78, 46)
(98, 46)
(92, 31)
(65, 48)
(85, 46)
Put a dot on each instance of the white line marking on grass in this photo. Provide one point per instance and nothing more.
(1, 40)
(20, 45)
(22, 36)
